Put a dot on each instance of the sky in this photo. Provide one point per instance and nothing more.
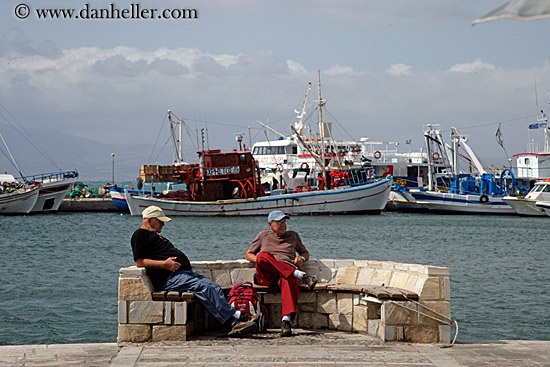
(84, 89)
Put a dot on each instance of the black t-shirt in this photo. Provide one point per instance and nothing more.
(151, 245)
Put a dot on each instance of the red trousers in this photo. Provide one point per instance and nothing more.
(270, 271)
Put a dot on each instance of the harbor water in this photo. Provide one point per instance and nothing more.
(60, 272)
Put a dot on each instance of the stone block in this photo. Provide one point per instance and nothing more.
(437, 270)
(242, 275)
(361, 263)
(402, 267)
(431, 289)
(222, 277)
(133, 333)
(445, 334)
(347, 263)
(446, 284)
(276, 314)
(388, 265)
(440, 307)
(381, 277)
(393, 314)
(416, 268)
(171, 332)
(392, 333)
(337, 321)
(272, 298)
(373, 327)
(122, 312)
(360, 319)
(345, 303)
(145, 312)
(132, 272)
(204, 271)
(305, 320)
(326, 303)
(421, 334)
(180, 313)
(133, 289)
(347, 275)
(320, 321)
(307, 307)
(168, 313)
(411, 282)
(399, 279)
(307, 297)
(375, 264)
(365, 275)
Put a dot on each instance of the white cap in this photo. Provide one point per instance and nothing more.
(155, 212)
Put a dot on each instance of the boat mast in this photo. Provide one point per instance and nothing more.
(321, 127)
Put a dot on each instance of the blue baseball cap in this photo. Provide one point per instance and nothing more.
(276, 216)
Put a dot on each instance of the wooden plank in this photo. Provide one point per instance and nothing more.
(158, 296)
(173, 296)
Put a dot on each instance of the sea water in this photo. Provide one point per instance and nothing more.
(59, 273)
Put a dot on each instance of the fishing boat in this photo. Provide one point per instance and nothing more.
(527, 205)
(544, 205)
(451, 191)
(53, 189)
(16, 197)
(228, 184)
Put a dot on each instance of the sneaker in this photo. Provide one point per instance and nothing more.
(286, 330)
(247, 316)
(309, 281)
(242, 328)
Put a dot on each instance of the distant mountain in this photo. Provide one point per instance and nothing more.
(91, 158)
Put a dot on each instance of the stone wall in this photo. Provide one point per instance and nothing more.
(141, 319)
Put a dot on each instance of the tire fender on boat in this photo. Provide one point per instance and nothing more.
(483, 199)
(377, 154)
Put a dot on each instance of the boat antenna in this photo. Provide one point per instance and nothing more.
(321, 127)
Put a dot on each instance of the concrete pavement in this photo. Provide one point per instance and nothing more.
(305, 348)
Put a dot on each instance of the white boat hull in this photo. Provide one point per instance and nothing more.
(524, 206)
(370, 198)
(18, 202)
(51, 195)
(403, 201)
(443, 202)
(544, 205)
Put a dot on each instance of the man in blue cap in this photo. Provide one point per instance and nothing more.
(274, 252)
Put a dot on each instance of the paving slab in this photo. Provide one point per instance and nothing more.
(305, 348)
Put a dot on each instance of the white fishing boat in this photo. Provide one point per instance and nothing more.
(16, 197)
(544, 205)
(527, 206)
(53, 189)
(456, 192)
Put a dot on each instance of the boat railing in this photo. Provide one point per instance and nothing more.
(53, 176)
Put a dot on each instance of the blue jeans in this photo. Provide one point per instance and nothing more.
(209, 293)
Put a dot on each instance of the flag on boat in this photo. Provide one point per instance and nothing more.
(499, 137)
(538, 125)
(518, 9)
(408, 141)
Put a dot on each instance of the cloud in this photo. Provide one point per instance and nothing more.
(399, 69)
(14, 43)
(471, 67)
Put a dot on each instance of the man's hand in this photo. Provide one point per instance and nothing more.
(171, 265)
(298, 261)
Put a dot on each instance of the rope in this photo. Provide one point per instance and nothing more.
(447, 320)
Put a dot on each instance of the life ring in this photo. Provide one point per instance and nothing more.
(304, 166)
(435, 156)
(483, 199)
(377, 154)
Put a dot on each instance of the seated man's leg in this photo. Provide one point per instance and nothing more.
(209, 293)
(269, 269)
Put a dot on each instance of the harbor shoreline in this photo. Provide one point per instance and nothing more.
(305, 348)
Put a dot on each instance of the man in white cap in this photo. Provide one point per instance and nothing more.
(170, 270)
(274, 252)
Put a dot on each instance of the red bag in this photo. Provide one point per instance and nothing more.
(243, 297)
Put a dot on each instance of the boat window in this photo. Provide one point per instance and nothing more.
(547, 188)
(526, 160)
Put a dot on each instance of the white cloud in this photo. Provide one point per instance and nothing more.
(399, 69)
(471, 67)
(339, 70)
